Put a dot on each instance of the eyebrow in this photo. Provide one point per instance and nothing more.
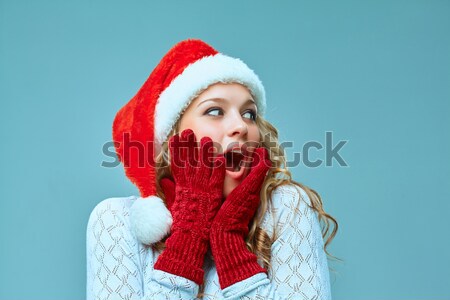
(225, 100)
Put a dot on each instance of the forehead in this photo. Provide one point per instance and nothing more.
(228, 91)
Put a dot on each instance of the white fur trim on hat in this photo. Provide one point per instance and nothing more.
(150, 219)
(197, 77)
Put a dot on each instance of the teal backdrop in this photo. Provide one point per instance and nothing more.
(375, 74)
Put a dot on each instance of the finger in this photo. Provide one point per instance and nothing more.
(263, 160)
(184, 146)
(191, 147)
(168, 187)
(256, 158)
(186, 132)
(218, 171)
(203, 166)
(175, 155)
(262, 164)
(206, 152)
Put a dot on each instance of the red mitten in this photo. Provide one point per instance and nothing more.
(168, 187)
(234, 261)
(198, 195)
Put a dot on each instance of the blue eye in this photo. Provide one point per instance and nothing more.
(251, 113)
(215, 111)
(218, 110)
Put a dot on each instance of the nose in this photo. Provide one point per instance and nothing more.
(237, 126)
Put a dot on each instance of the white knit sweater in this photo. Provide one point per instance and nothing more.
(119, 267)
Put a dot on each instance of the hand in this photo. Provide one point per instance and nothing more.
(168, 187)
(230, 226)
(241, 204)
(198, 195)
(198, 183)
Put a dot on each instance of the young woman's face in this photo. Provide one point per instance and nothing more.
(226, 113)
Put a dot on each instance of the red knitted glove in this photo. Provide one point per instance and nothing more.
(168, 187)
(234, 261)
(198, 195)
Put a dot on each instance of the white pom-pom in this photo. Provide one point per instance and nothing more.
(150, 219)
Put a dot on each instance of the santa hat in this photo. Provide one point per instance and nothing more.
(143, 124)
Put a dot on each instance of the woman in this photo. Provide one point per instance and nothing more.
(219, 216)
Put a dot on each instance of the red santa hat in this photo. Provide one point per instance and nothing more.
(143, 124)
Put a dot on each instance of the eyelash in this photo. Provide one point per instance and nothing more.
(253, 113)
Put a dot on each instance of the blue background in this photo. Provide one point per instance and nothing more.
(374, 73)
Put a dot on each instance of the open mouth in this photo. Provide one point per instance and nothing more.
(234, 161)
(237, 160)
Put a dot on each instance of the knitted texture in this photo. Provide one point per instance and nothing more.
(198, 194)
(230, 227)
(120, 267)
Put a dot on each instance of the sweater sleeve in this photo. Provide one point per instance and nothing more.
(118, 266)
(299, 268)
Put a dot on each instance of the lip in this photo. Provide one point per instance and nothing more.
(236, 175)
(243, 149)
(237, 146)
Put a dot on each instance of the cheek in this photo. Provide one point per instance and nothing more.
(201, 129)
(209, 131)
(253, 134)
